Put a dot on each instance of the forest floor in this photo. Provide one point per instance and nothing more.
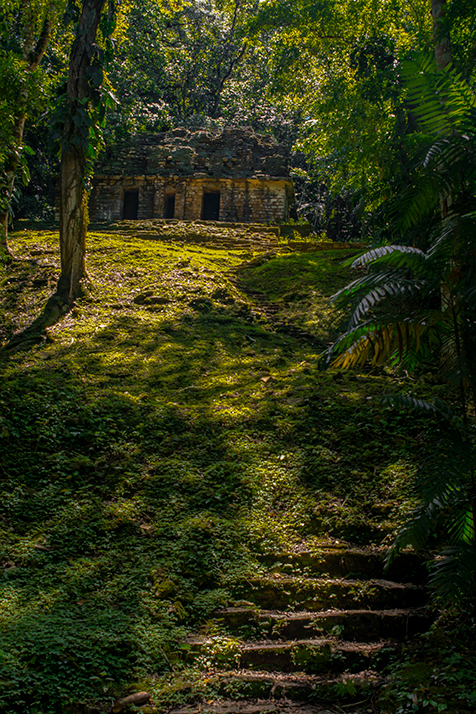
(167, 437)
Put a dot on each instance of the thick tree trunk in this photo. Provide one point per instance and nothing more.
(73, 195)
(73, 223)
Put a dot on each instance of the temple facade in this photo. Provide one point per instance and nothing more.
(231, 174)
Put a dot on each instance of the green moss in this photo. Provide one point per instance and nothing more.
(150, 448)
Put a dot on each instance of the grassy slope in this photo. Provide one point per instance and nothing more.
(149, 450)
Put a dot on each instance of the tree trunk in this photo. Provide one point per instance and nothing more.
(10, 171)
(73, 194)
(442, 42)
(73, 223)
(32, 55)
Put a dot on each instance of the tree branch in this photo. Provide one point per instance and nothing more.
(42, 43)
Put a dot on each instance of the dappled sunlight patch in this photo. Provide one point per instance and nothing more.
(123, 510)
(149, 455)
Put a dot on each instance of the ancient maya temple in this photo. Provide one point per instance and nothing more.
(230, 174)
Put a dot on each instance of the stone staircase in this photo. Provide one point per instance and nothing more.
(271, 311)
(215, 235)
(312, 634)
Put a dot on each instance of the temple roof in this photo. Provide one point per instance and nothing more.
(231, 152)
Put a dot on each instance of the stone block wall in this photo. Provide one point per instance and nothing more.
(252, 200)
(146, 199)
(105, 203)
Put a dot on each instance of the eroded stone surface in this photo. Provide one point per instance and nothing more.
(232, 174)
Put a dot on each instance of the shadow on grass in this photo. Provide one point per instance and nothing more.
(23, 289)
(142, 465)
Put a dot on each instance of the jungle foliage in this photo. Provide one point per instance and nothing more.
(151, 450)
(325, 78)
(412, 302)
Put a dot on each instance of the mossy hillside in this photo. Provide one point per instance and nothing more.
(160, 437)
(300, 284)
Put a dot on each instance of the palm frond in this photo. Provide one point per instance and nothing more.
(442, 101)
(444, 480)
(385, 250)
(353, 288)
(418, 201)
(390, 288)
(454, 239)
(415, 532)
(379, 343)
(403, 401)
(463, 527)
(453, 573)
(392, 283)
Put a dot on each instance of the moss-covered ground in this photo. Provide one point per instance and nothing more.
(160, 437)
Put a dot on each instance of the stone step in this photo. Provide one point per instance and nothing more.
(256, 706)
(295, 687)
(222, 242)
(313, 655)
(361, 625)
(350, 561)
(281, 593)
(316, 656)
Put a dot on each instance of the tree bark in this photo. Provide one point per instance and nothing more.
(73, 223)
(32, 55)
(9, 183)
(73, 194)
(443, 53)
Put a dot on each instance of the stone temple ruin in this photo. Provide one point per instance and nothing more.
(231, 174)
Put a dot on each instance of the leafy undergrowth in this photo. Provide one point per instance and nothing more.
(161, 437)
(436, 673)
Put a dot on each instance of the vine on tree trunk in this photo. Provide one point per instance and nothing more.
(80, 119)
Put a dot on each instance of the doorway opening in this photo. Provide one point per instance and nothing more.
(131, 205)
(170, 205)
(211, 206)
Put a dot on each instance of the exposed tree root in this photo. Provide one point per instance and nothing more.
(54, 310)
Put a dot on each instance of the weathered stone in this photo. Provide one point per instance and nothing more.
(142, 297)
(360, 625)
(315, 594)
(344, 560)
(232, 174)
(157, 300)
(136, 699)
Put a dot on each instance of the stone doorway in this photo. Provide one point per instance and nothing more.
(131, 205)
(169, 205)
(211, 206)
